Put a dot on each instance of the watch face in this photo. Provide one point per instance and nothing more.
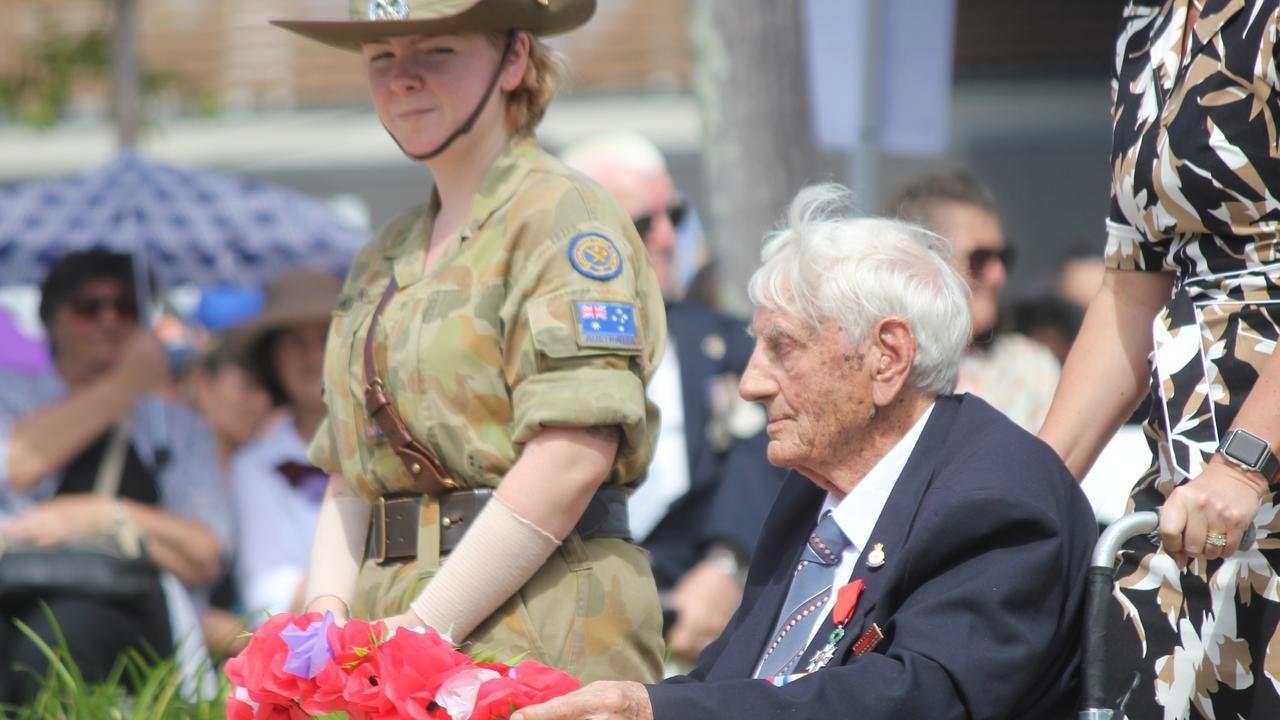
(1246, 449)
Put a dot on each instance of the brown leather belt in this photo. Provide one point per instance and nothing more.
(394, 522)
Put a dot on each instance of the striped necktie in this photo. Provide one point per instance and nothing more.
(810, 590)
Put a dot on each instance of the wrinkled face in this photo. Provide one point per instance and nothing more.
(978, 242)
(298, 353)
(424, 88)
(91, 326)
(816, 386)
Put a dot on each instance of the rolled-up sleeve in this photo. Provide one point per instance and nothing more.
(581, 343)
(21, 395)
(15, 402)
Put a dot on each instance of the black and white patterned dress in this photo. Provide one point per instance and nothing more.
(1196, 193)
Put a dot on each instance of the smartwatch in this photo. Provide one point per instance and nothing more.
(1251, 453)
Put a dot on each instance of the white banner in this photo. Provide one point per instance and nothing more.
(911, 43)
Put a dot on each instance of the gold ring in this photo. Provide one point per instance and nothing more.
(1216, 539)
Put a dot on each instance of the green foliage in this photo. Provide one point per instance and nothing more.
(37, 92)
(66, 695)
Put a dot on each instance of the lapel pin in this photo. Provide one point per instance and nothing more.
(875, 558)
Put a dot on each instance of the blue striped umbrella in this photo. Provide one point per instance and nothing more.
(191, 226)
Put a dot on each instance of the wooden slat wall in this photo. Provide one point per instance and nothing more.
(631, 45)
(227, 48)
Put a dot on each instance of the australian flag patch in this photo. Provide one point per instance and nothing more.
(608, 325)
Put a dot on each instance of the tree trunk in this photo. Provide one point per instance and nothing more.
(126, 74)
(758, 151)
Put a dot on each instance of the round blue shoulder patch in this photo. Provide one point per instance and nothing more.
(595, 256)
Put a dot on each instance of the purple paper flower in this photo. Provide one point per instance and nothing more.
(309, 649)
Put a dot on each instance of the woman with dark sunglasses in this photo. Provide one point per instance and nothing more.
(54, 432)
(1014, 373)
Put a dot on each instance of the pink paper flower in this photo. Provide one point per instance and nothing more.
(306, 666)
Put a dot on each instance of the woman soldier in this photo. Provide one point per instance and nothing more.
(485, 367)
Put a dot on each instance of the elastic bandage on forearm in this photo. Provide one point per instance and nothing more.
(493, 561)
(336, 549)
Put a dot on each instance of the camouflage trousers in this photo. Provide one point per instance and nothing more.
(591, 610)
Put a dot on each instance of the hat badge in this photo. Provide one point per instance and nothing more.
(388, 9)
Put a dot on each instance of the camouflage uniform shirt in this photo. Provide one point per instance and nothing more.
(542, 312)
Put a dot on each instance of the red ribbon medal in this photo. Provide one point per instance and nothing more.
(846, 602)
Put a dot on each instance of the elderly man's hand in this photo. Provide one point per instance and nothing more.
(62, 518)
(704, 600)
(597, 701)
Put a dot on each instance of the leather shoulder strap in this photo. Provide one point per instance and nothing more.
(370, 363)
(110, 470)
(428, 473)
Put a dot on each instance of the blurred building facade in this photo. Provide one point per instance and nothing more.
(1029, 110)
(228, 49)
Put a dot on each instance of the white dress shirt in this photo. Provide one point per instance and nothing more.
(668, 477)
(276, 521)
(858, 512)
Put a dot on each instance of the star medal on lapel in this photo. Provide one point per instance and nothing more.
(846, 601)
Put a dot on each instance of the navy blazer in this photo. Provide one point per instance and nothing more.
(986, 539)
(731, 489)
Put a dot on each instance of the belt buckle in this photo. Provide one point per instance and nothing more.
(381, 558)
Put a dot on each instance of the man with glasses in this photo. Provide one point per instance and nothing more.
(1015, 374)
(57, 431)
(710, 486)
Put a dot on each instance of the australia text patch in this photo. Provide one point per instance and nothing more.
(607, 325)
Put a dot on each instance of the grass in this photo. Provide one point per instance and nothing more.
(157, 695)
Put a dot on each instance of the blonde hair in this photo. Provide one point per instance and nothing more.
(542, 77)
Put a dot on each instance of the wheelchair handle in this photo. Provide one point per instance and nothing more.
(1101, 576)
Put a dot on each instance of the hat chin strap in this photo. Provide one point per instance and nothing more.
(475, 114)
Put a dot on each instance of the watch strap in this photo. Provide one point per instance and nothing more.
(1269, 467)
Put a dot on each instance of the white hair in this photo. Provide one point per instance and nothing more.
(617, 149)
(854, 272)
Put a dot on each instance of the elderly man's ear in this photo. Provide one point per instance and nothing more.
(893, 351)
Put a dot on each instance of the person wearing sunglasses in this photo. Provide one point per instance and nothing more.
(1014, 373)
(54, 431)
(710, 485)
